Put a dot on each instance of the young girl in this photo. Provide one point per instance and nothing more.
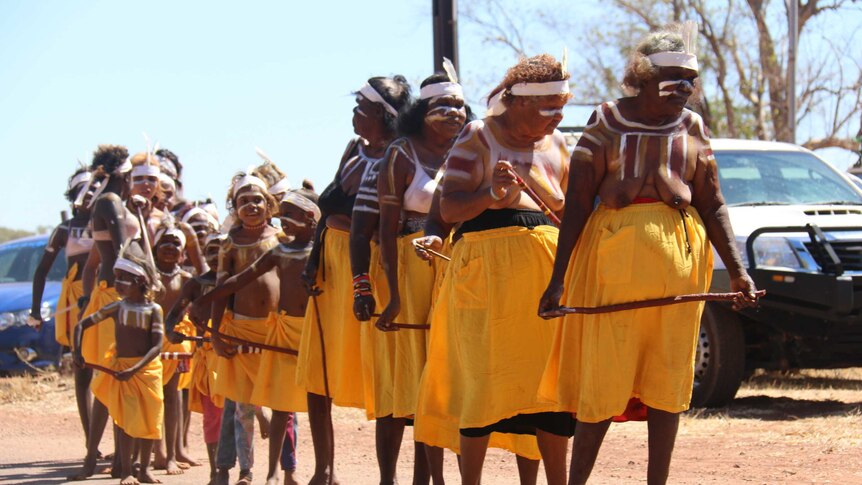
(201, 398)
(132, 392)
(275, 385)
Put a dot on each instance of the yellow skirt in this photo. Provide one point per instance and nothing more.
(340, 330)
(488, 347)
(393, 361)
(275, 385)
(169, 366)
(136, 405)
(99, 338)
(67, 313)
(237, 374)
(600, 361)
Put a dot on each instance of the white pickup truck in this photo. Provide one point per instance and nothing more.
(798, 226)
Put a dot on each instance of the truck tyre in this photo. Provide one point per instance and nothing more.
(720, 358)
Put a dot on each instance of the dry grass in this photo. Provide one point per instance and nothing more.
(34, 389)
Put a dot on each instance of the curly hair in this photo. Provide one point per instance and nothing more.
(165, 153)
(411, 119)
(72, 193)
(144, 158)
(640, 69)
(269, 173)
(230, 201)
(396, 91)
(109, 157)
(537, 69)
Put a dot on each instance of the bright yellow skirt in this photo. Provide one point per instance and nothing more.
(393, 361)
(275, 385)
(488, 346)
(67, 313)
(237, 374)
(136, 405)
(169, 366)
(340, 330)
(99, 338)
(600, 361)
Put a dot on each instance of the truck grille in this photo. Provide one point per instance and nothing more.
(849, 252)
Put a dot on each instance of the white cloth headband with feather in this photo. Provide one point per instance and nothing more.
(128, 266)
(146, 170)
(550, 88)
(451, 88)
(246, 181)
(280, 187)
(372, 95)
(688, 57)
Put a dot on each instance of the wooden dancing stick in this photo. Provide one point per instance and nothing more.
(538, 200)
(407, 326)
(430, 251)
(175, 355)
(110, 372)
(633, 305)
(192, 338)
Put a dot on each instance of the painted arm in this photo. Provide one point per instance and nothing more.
(107, 311)
(193, 249)
(156, 335)
(391, 185)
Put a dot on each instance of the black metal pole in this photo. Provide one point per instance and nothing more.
(445, 16)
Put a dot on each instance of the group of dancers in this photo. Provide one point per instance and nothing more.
(423, 285)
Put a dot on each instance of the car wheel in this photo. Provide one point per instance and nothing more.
(720, 358)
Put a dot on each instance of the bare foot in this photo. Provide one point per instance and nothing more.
(171, 468)
(183, 465)
(322, 479)
(273, 480)
(159, 462)
(184, 458)
(290, 478)
(86, 472)
(146, 477)
(130, 480)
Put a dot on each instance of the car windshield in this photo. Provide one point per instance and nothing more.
(776, 178)
(18, 261)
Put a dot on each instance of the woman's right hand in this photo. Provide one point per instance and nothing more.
(502, 178)
(433, 243)
(549, 304)
(223, 349)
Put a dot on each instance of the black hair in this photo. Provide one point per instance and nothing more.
(396, 92)
(72, 193)
(109, 157)
(164, 152)
(412, 117)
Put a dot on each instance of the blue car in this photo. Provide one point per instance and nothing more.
(22, 347)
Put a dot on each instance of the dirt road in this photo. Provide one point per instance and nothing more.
(803, 428)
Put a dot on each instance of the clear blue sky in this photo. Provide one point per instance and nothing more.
(209, 80)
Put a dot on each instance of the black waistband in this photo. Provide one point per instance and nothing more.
(494, 218)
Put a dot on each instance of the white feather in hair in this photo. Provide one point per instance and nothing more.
(450, 70)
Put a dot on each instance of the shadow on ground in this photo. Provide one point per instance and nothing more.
(45, 472)
(770, 408)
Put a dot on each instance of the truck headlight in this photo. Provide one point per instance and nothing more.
(775, 252)
(46, 312)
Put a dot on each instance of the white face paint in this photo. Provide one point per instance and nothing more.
(246, 205)
(122, 283)
(666, 88)
(443, 113)
(360, 112)
(550, 113)
(294, 221)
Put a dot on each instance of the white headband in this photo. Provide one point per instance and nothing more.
(441, 89)
(166, 179)
(197, 211)
(146, 171)
(81, 178)
(674, 59)
(279, 187)
(303, 202)
(550, 88)
(248, 180)
(131, 267)
(170, 232)
(167, 165)
(372, 95)
(124, 167)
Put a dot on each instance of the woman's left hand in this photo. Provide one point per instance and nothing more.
(388, 316)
